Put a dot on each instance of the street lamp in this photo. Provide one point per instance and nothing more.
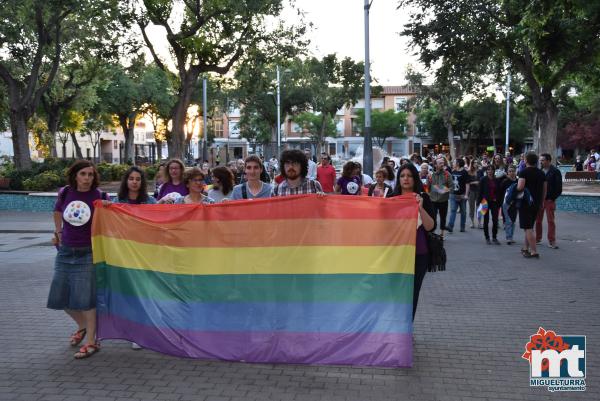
(368, 143)
(508, 79)
(278, 105)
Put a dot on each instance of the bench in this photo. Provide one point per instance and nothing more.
(581, 176)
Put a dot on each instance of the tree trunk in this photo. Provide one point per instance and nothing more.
(176, 141)
(158, 150)
(53, 120)
(451, 141)
(548, 124)
(76, 145)
(494, 139)
(20, 140)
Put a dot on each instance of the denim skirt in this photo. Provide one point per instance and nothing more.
(74, 283)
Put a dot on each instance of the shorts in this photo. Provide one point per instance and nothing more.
(527, 216)
(74, 283)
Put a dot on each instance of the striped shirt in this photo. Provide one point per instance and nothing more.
(307, 186)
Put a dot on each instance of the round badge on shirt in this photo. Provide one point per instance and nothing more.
(352, 187)
(77, 213)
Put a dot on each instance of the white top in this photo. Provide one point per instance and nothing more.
(312, 170)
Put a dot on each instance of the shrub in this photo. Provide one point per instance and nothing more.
(105, 171)
(44, 181)
(118, 171)
(151, 171)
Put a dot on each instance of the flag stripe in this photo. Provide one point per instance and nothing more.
(302, 207)
(255, 260)
(360, 349)
(257, 287)
(254, 233)
(338, 317)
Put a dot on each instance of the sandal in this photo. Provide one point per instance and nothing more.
(525, 252)
(77, 337)
(532, 255)
(87, 350)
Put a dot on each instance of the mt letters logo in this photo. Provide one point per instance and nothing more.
(556, 362)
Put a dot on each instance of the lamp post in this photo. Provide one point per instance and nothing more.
(278, 117)
(506, 149)
(204, 127)
(368, 143)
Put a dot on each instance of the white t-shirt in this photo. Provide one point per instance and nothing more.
(366, 179)
(312, 170)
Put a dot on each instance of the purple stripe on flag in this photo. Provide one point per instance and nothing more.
(358, 349)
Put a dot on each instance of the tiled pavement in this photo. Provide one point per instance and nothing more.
(471, 327)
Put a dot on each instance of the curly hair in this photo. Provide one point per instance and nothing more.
(192, 173)
(294, 156)
(226, 177)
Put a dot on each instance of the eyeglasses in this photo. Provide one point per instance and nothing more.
(197, 180)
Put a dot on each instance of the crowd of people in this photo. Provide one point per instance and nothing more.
(476, 187)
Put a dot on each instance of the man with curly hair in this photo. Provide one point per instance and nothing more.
(294, 169)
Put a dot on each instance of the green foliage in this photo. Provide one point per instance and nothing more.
(151, 171)
(313, 125)
(118, 171)
(46, 181)
(105, 171)
(384, 124)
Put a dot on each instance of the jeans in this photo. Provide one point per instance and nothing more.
(457, 201)
(510, 216)
(549, 207)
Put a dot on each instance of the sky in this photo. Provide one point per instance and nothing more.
(339, 28)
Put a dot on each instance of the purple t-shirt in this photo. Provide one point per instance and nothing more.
(77, 210)
(168, 187)
(349, 186)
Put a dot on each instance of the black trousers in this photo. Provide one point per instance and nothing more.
(493, 210)
(442, 209)
(421, 262)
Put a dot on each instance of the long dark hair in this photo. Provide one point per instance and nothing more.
(348, 169)
(417, 184)
(225, 176)
(124, 189)
(390, 171)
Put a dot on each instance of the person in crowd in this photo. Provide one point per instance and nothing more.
(509, 210)
(385, 161)
(489, 189)
(408, 183)
(499, 166)
(473, 170)
(365, 179)
(254, 187)
(159, 178)
(312, 166)
(133, 188)
(193, 179)
(508, 158)
(207, 174)
(534, 180)
(73, 287)
(294, 169)
(174, 183)
(391, 177)
(379, 189)
(238, 171)
(424, 176)
(326, 174)
(273, 166)
(554, 190)
(590, 163)
(416, 160)
(223, 182)
(522, 164)
(349, 183)
(458, 195)
(578, 166)
(440, 183)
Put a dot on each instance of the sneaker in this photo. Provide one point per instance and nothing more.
(449, 230)
(136, 346)
(495, 241)
(487, 241)
(510, 242)
(553, 246)
(462, 230)
(538, 242)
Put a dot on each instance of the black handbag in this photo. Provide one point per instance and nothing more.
(437, 253)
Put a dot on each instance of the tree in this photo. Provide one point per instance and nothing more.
(72, 123)
(384, 124)
(446, 92)
(33, 34)
(212, 36)
(483, 118)
(334, 83)
(93, 127)
(312, 124)
(545, 42)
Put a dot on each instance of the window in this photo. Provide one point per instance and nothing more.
(218, 128)
(115, 144)
(400, 103)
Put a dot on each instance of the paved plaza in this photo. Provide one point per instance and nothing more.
(472, 325)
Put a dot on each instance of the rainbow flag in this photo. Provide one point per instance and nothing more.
(302, 279)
